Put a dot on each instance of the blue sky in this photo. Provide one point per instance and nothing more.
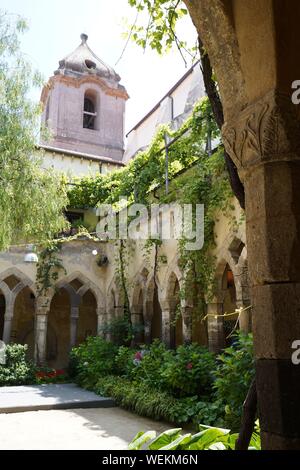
(55, 28)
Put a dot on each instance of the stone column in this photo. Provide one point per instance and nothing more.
(148, 309)
(118, 311)
(74, 325)
(243, 300)
(264, 142)
(137, 320)
(100, 321)
(215, 327)
(42, 307)
(109, 317)
(244, 317)
(166, 326)
(8, 318)
(147, 331)
(187, 317)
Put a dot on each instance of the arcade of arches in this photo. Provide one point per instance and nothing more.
(76, 307)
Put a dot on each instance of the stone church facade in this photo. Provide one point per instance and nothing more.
(84, 108)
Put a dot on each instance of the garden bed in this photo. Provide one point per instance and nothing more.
(187, 385)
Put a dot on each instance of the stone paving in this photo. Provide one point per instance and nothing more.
(49, 397)
(83, 429)
(64, 416)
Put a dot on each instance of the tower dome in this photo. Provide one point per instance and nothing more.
(83, 61)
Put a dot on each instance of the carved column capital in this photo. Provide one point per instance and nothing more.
(265, 131)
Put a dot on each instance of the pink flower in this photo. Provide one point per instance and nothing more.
(189, 366)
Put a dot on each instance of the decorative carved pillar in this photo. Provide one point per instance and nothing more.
(264, 142)
(42, 307)
(215, 327)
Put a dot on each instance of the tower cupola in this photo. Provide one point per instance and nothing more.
(84, 105)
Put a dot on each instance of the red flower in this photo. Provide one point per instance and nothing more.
(40, 374)
(189, 366)
(138, 356)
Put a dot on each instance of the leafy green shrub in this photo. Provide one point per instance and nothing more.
(17, 370)
(234, 374)
(124, 361)
(146, 401)
(207, 438)
(148, 367)
(209, 412)
(93, 359)
(189, 371)
(122, 331)
(180, 386)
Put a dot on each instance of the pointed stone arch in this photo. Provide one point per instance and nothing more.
(172, 313)
(138, 303)
(223, 300)
(139, 284)
(76, 311)
(87, 284)
(23, 278)
(118, 296)
(14, 282)
(232, 256)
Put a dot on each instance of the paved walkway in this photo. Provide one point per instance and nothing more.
(64, 416)
(84, 429)
(49, 397)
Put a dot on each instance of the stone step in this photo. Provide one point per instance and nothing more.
(49, 397)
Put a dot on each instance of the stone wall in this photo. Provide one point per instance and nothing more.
(88, 296)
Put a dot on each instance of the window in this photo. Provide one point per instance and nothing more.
(89, 112)
(90, 64)
(73, 216)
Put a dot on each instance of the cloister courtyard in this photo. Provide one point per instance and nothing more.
(149, 261)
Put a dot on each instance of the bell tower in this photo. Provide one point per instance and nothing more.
(84, 106)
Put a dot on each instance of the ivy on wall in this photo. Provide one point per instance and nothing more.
(195, 177)
(147, 170)
(48, 267)
(50, 264)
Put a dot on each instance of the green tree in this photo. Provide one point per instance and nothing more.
(31, 199)
(156, 26)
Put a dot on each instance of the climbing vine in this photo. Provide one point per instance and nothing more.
(49, 266)
(195, 176)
